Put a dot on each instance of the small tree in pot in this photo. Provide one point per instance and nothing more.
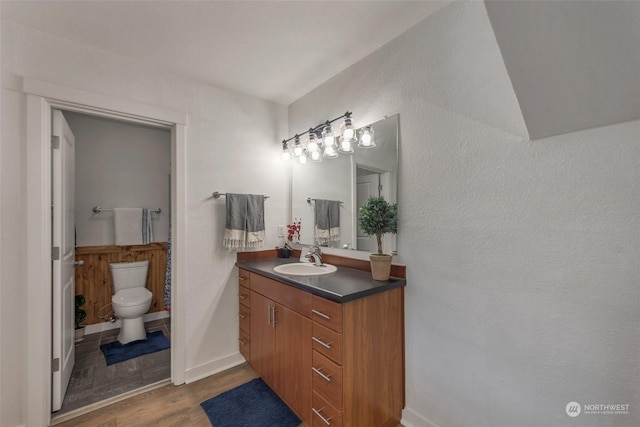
(376, 218)
(80, 316)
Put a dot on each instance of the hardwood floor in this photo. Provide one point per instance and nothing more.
(166, 406)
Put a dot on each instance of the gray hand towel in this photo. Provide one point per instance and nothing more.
(245, 222)
(327, 227)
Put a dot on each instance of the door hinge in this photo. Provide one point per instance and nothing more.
(379, 189)
(55, 142)
(55, 253)
(55, 364)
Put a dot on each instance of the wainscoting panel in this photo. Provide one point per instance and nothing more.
(93, 279)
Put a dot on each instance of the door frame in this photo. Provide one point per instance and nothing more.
(41, 98)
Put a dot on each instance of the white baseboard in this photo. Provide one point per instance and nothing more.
(411, 418)
(106, 326)
(213, 367)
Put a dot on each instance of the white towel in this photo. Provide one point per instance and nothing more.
(128, 226)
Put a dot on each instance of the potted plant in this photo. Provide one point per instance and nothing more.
(80, 316)
(376, 218)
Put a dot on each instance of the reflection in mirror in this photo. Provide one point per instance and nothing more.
(350, 179)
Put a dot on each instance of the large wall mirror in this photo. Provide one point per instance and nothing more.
(350, 179)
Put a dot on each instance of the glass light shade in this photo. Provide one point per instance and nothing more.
(348, 132)
(345, 146)
(366, 138)
(328, 139)
(286, 154)
(330, 152)
(312, 145)
(297, 148)
(302, 159)
(316, 156)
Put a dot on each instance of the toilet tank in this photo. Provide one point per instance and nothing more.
(129, 275)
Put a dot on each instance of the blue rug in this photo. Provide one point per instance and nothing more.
(115, 352)
(252, 404)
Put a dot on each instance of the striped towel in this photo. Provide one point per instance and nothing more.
(327, 227)
(245, 222)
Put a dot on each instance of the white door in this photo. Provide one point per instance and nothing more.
(63, 238)
(367, 185)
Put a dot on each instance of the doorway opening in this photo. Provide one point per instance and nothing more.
(42, 98)
(117, 164)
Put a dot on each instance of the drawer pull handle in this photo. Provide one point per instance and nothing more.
(242, 278)
(324, 376)
(242, 316)
(321, 314)
(242, 296)
(242, 341)
(322, 343)
(327, 421)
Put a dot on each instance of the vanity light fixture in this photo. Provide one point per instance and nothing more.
(324, 141)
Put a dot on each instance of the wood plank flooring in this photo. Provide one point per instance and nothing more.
(166, 406)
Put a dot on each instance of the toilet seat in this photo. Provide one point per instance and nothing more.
(131, 296)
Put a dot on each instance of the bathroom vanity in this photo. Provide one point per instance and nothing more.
(331, 346)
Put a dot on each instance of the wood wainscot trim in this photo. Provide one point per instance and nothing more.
(93, 278)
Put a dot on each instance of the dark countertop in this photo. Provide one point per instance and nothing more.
(346, 284)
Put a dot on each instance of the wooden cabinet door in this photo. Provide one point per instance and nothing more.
(293, 360)
(263, 336)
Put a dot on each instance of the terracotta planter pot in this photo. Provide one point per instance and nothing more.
(380, 266)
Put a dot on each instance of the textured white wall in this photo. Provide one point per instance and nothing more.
(119, 165)
(232, 145)
(522, 257)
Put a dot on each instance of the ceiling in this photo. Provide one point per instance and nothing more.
(274, 50)
(573, 65)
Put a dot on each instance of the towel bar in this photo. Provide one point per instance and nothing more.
(98, 209)
(217, 194)
(309, 200)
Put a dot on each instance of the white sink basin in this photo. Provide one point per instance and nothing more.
(305, 269)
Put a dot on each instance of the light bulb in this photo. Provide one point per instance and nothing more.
(366, 137)
(330, 152)
(302, 159)
(315, 156)
(327, 136)
(345, 146)
(348, 132)
(312, 145)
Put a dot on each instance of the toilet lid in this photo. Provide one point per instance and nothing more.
(131, 296)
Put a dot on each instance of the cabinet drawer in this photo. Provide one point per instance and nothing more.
(327, 379)
(293, 298)
(327, 342)
(244, 278)
(327, 313)
(244, 343)
(323, 413)
(244, 296)
(244, 317)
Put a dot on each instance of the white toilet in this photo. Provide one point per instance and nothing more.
(131, 299)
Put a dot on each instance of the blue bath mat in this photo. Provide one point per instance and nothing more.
(115, 352)
(252, 404)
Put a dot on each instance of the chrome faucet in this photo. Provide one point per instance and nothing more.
(316, 256)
